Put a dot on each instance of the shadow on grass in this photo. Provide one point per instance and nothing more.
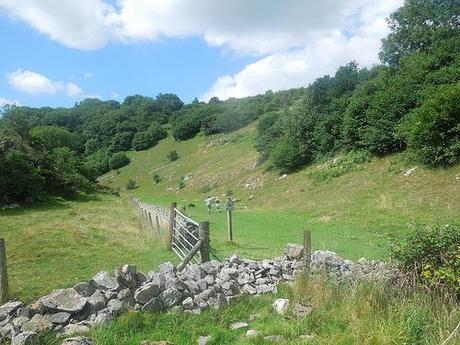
(49, 204)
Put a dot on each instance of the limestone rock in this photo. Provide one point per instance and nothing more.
(78, 341)
(146, 292)
(26, 338)
(104, 281)
(58, 318)
(294, 251)
(117, 307)
(281, 305)
(84, 289)
(9, 308)
(301, 310)
(96, 302)
(204, 340)
(238, 325)
(252, 333)
(75, 329)
(170, 297)
(167, 267)
(155, 304)
(37, 324)
(127, 276)
(65, 300)
(274, 338)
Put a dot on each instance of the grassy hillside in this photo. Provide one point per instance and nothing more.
(58, 243)
(352, 208)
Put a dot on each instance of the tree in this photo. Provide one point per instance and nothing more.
(149, 138)
(432, 131)
(19, 179)
(52, 137)
(419, 26)
(121, 142)
(118, 160)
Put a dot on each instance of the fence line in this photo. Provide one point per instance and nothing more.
(187, 238)
(154, 217)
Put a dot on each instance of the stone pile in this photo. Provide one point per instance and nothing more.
(212, 284)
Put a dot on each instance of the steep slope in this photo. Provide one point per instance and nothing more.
(353, 205)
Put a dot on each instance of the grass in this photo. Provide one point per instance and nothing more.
(353, 205)
(365, 314)
(57, 243)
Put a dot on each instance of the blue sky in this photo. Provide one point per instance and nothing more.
(58, 52)
(186, 67)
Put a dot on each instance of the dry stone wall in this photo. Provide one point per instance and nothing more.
(212, 284)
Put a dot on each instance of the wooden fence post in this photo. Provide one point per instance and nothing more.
(306, 250)
(157, 224)
(204, 236)
(172, 219)
(3, 273)
(150, 221)
(230, 225)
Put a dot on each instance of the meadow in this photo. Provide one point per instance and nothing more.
(354, 209)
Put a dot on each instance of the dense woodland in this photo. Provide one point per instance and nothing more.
(409, 102)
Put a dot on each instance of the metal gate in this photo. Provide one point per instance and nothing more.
(188, 239)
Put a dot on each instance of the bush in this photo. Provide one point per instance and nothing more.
(131, 184)
(156, 178)
(149, 138)
(433, 254)
(173, 156)
(19, 180)
(118, 160)
(432, 131)
(99, 162)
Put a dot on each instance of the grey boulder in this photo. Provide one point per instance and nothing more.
(65, 300)
(104, 281)
(26, 338)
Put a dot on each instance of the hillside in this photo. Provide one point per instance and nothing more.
(352, 208)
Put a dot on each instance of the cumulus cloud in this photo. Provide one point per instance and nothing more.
(82, 24)
(35, 84)
(360, 41)
(296, 40)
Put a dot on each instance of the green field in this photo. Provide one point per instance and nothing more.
(56, 243)
(353, 209)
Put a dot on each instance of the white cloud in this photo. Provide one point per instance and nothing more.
(254, 27)
(299, 67)
(35, 83)
(6, 101)
(296, 40)
(82, 24)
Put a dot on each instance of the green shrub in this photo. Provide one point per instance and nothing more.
(149, 138)
(118, 160)
(19, 179)
(341, 165)
(99, 161)
(131, 184)
(156, 178)
(432, 253)
(432, 131)
(173, 156)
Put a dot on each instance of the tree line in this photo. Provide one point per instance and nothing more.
(410, 102)
(61, 151)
